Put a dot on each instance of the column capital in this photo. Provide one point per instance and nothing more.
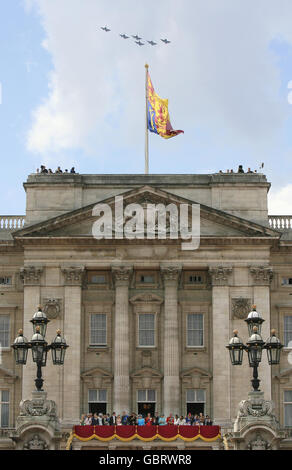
(31, 275)
(122, 275)
(220, 275)
(73, 275)
(170, 273)
(261, 275)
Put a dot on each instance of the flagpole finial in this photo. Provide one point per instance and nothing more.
(146, 66)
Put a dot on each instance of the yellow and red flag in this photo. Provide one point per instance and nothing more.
(158, 116)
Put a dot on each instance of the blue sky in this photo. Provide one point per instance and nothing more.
(74, 95)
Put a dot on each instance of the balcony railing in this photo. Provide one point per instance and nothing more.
(8, 223)
(280, 222)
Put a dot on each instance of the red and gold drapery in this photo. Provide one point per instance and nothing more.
(144, 433)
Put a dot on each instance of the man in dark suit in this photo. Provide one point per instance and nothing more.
(113, 419)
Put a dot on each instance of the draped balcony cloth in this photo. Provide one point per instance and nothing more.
(166, 433)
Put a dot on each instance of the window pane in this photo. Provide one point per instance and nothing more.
(200, 395)
(195, 334)
(190, 396)
(4, 415)
(4, 330)
(141, 395)
(5, 396)
(146, 330)
(98, 328)
(102, 396)
(92, 395)
(151, 395)
(287, 330)
(288, 396)
(97, 279)
(288, 415)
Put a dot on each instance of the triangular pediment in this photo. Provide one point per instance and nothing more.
(147, 372)
(96, 372)
(79, 223)
(7, 374)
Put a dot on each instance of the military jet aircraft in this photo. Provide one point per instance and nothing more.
(139, 43)
(166, 41)
(152, 43)
(124, 36)
(136, 37)
(105, 29)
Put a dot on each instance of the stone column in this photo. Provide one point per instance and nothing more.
(262, 277)
(121, 394)
(31, 276)
(221, 362)
(72, 332)
(171, 383)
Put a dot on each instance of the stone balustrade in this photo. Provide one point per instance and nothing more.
(280, 222)
(8, 223)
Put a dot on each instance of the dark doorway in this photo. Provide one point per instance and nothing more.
(145, 408)
(97, 408)
(195, 408)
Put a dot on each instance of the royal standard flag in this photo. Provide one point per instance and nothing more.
(158, 116)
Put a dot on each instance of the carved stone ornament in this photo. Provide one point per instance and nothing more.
(73, 276)
(170, 273)
(122, 274)
(38, 406)
(261, 275)
(220, 275)
(31, 275)
(256, 408)
(241, 308)
(258, 444)
(36, 443)
(52, 308)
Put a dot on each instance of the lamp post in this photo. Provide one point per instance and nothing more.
(254, 346)
(39, 346)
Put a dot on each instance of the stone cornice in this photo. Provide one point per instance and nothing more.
(261, 275)
(220, 275)
(73, 276)
(31, 275)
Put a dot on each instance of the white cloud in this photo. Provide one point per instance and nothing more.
(280, 201)
(218, 72)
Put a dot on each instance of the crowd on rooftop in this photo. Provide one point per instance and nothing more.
(44, 170)
(100, 419)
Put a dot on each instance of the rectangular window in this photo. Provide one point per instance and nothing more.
(288, 331)
(98, 329)
(5, 280)
(146, 329)
(97, 401)
(196, 395)
(288, 408)
(4, 408)
(147, 396)
(286, 281)
(4, 331)
(195, 329)
(147, 279)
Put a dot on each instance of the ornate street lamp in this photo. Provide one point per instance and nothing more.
(58, 348)
(20, 347)
(39, 346)
(254, 346)
(236, 349)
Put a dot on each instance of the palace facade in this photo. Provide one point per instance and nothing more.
(147, 322)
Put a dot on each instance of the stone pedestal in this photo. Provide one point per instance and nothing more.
(37, 426)
(256, 427)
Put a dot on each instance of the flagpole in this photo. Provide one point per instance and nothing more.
(146, 122)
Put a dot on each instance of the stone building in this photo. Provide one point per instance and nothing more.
(147, 322)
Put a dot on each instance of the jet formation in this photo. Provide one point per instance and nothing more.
(137, 38)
